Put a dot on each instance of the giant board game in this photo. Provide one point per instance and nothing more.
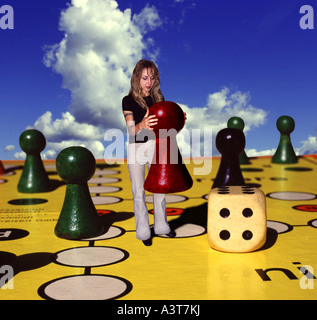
(116, 265)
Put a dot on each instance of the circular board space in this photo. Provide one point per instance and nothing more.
(97, 180)
(291, 196)
(245, 169)
(51, 166)
(101, 200)
(12, 234)
(298, 169)
(27, 201)
(170, 198)
(306, 207)
(112, 232)
(279, 179)
(90, 256)
(279, 227)
(313, 223)
(105, 172)
(187, 230)
(7, 173)
(103, 189)
(85, 287)
(171, 211)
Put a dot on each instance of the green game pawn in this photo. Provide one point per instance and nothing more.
(238, 123)
(34, 177)
(79, 218)
(285, 153)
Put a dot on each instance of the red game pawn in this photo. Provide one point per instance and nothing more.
(168, 173)
(2, 170)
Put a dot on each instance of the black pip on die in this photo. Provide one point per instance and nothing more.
(236, 219)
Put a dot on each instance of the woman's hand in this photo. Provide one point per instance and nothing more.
(148, 121)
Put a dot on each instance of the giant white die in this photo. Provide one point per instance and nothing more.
(236, 218)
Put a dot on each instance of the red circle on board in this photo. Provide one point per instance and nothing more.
(306, 207)
(103, 212)
(171, 211)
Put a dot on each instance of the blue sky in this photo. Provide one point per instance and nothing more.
(66, 75)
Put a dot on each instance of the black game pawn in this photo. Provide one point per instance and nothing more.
(230, 143)
(78, 218)
(34, 177)
(285, 153)
(238, 123)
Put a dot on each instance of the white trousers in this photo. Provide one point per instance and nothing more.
(139, 155)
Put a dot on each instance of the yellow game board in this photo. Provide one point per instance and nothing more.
(118, 266)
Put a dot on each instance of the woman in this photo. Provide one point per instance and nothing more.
(144, 92)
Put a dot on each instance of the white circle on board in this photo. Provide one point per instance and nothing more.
(103, 189)
(170, 198)
(11, 167)
(50, 166)
(292, 196)
(112, 232)
(90, 256)
(279, 227)
(188, 230)
(99, 200)
(86, 287)
(7, 174)
(313, 223)
(103, 180)
(105, 172)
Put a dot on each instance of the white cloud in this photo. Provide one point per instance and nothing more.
(100, 48)
(66, 132)
(95, 58)
(53, 148)
(20, 155)
(9, 148)
(255, 153)
(309, 146)
(221, 106)
(148, 19)
(97, 55)
(66, 128)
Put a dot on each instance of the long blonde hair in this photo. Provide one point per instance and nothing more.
(136, 90)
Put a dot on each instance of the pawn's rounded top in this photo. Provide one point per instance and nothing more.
(230, 141)
(32, 141)
(169, 115)
(75, 165)
(236, 123)
(285, 124)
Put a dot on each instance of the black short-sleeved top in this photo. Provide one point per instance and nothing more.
(129, 104)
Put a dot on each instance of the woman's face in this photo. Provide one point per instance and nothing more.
(147, 81)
